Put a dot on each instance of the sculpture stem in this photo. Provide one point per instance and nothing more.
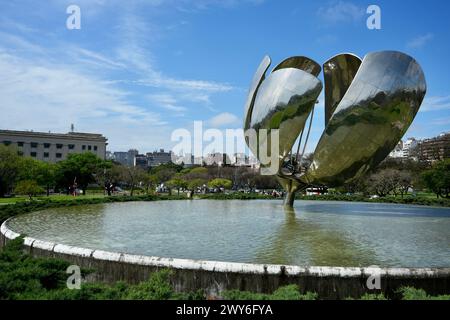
(289, 199)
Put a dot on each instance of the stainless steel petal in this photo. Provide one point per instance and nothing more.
(258, 77)
(284, 101)
(372, 117)
(300, 62)
(339, 72)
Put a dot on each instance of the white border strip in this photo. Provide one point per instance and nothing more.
(218, 266)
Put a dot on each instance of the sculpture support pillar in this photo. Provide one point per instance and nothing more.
(290, 186)
(289, 199)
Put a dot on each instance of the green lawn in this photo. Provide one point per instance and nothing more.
(16, 199)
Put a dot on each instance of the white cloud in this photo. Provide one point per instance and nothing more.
(441, 121)
(96, 58)
(159, 81)
(341, 11)
(134, 51)
(168, 102)
(224, 119)
(51, 97)
(435, 103)
(420, 41)
(48, 88)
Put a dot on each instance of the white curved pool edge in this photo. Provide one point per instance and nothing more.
(218, 266)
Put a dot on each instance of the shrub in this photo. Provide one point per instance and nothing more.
(289, 292)
(157, 287)
(409, 293)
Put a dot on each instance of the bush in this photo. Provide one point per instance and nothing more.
(409, 293)
(157, 287)
(25, 277)
(442, 202)
(289, 292)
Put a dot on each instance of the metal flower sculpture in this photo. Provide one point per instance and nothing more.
(369, 105)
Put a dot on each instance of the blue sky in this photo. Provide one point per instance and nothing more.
(137, 70)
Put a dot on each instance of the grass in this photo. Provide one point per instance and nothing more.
(426, 201)
(289, 292)
(421, 198)
(56, 197)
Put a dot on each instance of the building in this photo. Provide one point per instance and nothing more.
(405, 150)
(156, 158)
(141, 160)
(216, 158)
(109, 155)
(240, 159)
(126, 158)
(54, 147)
(408, 146)
(187, 159)
(398, 151)
(437, 148)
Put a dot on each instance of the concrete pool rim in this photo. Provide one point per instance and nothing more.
(216, 276)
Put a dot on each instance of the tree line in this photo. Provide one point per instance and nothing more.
(398, 177)
(28, 176)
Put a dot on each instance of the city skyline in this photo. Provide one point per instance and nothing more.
(136, 74)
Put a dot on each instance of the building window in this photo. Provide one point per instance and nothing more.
(33, 154)
(95, 148)
(46, 145)
(6, 143)
(46, 155)
(83, 147)
(89, 147)
(34, 144)
(20, 144)
(59, 146)
(71, 146)
(58, 155)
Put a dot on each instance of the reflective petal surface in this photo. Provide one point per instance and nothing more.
(256, 81)
(300, 62)
(284, 101)
(371, 118)
(338, 73)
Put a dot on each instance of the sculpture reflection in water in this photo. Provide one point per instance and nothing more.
(303, 238)
(369, 105)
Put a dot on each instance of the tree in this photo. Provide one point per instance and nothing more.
(164, 174)
(176, 183)
(437, 179)
(132, 176)
(80, 168)
(220, 183)
(383, 182)
(195, 184)
(9, 168)
(29, 188)
(150, 181)
(405, 182)
(43, 173)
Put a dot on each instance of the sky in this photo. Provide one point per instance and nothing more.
(137, 70)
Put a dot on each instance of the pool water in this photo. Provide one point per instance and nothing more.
(321, 233)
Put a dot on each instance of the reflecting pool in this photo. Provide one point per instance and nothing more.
(322, 233)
